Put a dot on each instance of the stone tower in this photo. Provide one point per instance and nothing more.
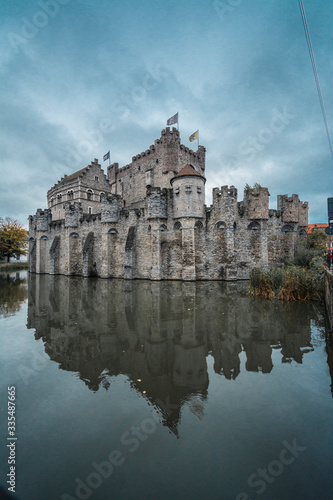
(188, 193)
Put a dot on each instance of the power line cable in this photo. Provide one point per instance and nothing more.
(307, 34)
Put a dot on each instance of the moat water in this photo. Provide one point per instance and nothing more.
(157, 390)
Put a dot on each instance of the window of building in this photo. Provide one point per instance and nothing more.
(163, 227)
(96, 178)
(89, 194)
(188, 189)
(89, 211)
(149, 178)
(101, 196)
(287, 228)
(198, 225)
(254, 226)
(220, 225)
(70, 194)
(177, 226)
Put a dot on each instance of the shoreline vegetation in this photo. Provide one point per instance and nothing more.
(301, 279)
(13, 266)
(290, 283)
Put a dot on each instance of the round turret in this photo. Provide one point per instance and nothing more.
(188, 193)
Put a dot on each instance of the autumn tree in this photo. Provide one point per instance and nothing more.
(13, 239)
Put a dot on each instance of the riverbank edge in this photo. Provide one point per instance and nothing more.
(329, 295)
(14, 266)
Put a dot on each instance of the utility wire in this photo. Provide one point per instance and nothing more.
(307, 34)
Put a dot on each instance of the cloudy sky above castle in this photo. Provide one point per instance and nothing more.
(80, 77)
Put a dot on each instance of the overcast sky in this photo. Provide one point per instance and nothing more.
(80, 77)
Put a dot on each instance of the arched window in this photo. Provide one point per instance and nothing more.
(73, 235)
(70, 194)
(89, 194)
(177, 226)
(254, 225)
(89, 211)
(287, 228)
(220, 225)
(44, 238)
(113, 230)
(198, 225)
(163, 227)
(52, 201)
(149, 228)
(101, 196)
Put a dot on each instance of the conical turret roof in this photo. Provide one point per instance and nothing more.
(187, 171)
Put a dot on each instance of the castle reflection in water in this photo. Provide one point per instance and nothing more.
(159, 334)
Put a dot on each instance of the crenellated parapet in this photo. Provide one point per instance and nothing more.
(169, 136)
(110, 209)
(292, 209)
(256, 202)
(225, 203)
(224, 196)
(43, 218)
(303, 214)
(73, 214)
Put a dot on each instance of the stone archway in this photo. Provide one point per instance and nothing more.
(88, 256)
(75, 262)
(55, 256)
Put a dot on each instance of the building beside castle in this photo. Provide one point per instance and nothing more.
(148, 220)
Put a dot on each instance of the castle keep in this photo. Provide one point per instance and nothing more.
(148, 220)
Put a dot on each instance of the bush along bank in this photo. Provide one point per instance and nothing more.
(13, 266)
(301, 279)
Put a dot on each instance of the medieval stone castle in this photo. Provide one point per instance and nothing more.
(148, 220)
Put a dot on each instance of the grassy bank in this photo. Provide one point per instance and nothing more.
(13, 266)
(291, 283)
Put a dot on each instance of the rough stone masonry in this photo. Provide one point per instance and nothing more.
(148, 220)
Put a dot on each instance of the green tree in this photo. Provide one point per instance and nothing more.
(13, 238)
(314, 247)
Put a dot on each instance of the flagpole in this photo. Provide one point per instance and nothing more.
(178, 120)
(198, 139)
